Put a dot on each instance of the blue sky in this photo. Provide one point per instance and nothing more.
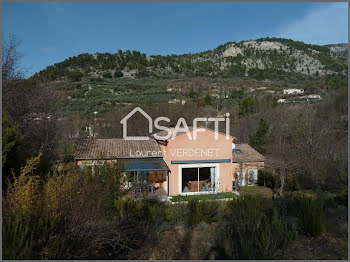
(53, 31)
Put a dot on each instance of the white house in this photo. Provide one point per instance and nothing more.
(293, 91)
(282, 100)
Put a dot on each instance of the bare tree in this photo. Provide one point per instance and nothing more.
(11, 57)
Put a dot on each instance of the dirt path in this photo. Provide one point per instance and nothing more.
(179, 243)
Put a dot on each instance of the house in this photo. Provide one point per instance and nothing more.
(291, 91)
(136, 157)
(174, 101)
(311, 97)
(180, 165)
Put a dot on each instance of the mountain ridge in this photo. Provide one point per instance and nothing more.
(264, 58)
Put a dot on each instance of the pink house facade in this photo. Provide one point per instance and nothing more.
(182, 165)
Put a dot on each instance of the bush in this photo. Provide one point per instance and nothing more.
(67, 153)
(342, 198)
(310, 211)
(291, 184)
(267, 178)
(107, 75)
(250, 232)
(118, 74)
(75, 76)
(205, 211)
(97, 79)
(23, 193)
(129, 208)
(27, 236)
(70, 215)
(176, 213)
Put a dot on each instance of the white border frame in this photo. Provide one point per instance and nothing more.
(217, 178)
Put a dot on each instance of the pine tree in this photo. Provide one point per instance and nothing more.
(257, 140)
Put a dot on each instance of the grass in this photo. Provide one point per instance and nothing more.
(203, 197)
(263, 192)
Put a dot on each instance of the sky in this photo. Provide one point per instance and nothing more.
(53, 31)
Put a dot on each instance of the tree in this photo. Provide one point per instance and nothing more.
(11, 57)
(75, 76)
(248, 105)
(258, 139)
(10, 137)
(207, 99)
(118, 74)
(107, 75)
(191, 94)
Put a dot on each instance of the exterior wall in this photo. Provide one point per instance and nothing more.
(245, 167)
(207, 148)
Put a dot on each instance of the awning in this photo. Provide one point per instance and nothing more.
(155, 164)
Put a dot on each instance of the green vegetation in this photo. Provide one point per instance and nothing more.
(256, 191)
(250, 232)
(76, 214)
(201, 212)
(257, 140)
(203, 197)
(205, 64)
(267, 178)
(10, 138)
(310, 213)
(54, 210)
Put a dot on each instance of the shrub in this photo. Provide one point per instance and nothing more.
(176, 213)
(118, 74)
(250, 232)
(107, 75)
(129, 208)
(23, 193)
(75, 76)
(267, 178)
(27, 236)
(70, 215)
(67, 154)
(310, 212)
(291, 184)
(200, 211)
(342, 198)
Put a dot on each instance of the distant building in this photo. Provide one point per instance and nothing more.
(215, 95)
(174, 101)
(282, 100)
(314, 96)
(291, 91)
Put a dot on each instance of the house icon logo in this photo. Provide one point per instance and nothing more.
(125, 126)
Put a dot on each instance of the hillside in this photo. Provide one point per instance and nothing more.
(91, 84)
(265, 58)
(340, 49)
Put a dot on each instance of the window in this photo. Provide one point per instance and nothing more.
(198, 179)
(252, 176)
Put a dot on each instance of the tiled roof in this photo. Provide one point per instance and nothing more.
(248, 154)
(190, 128)
(164, 133)
(116, 148)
